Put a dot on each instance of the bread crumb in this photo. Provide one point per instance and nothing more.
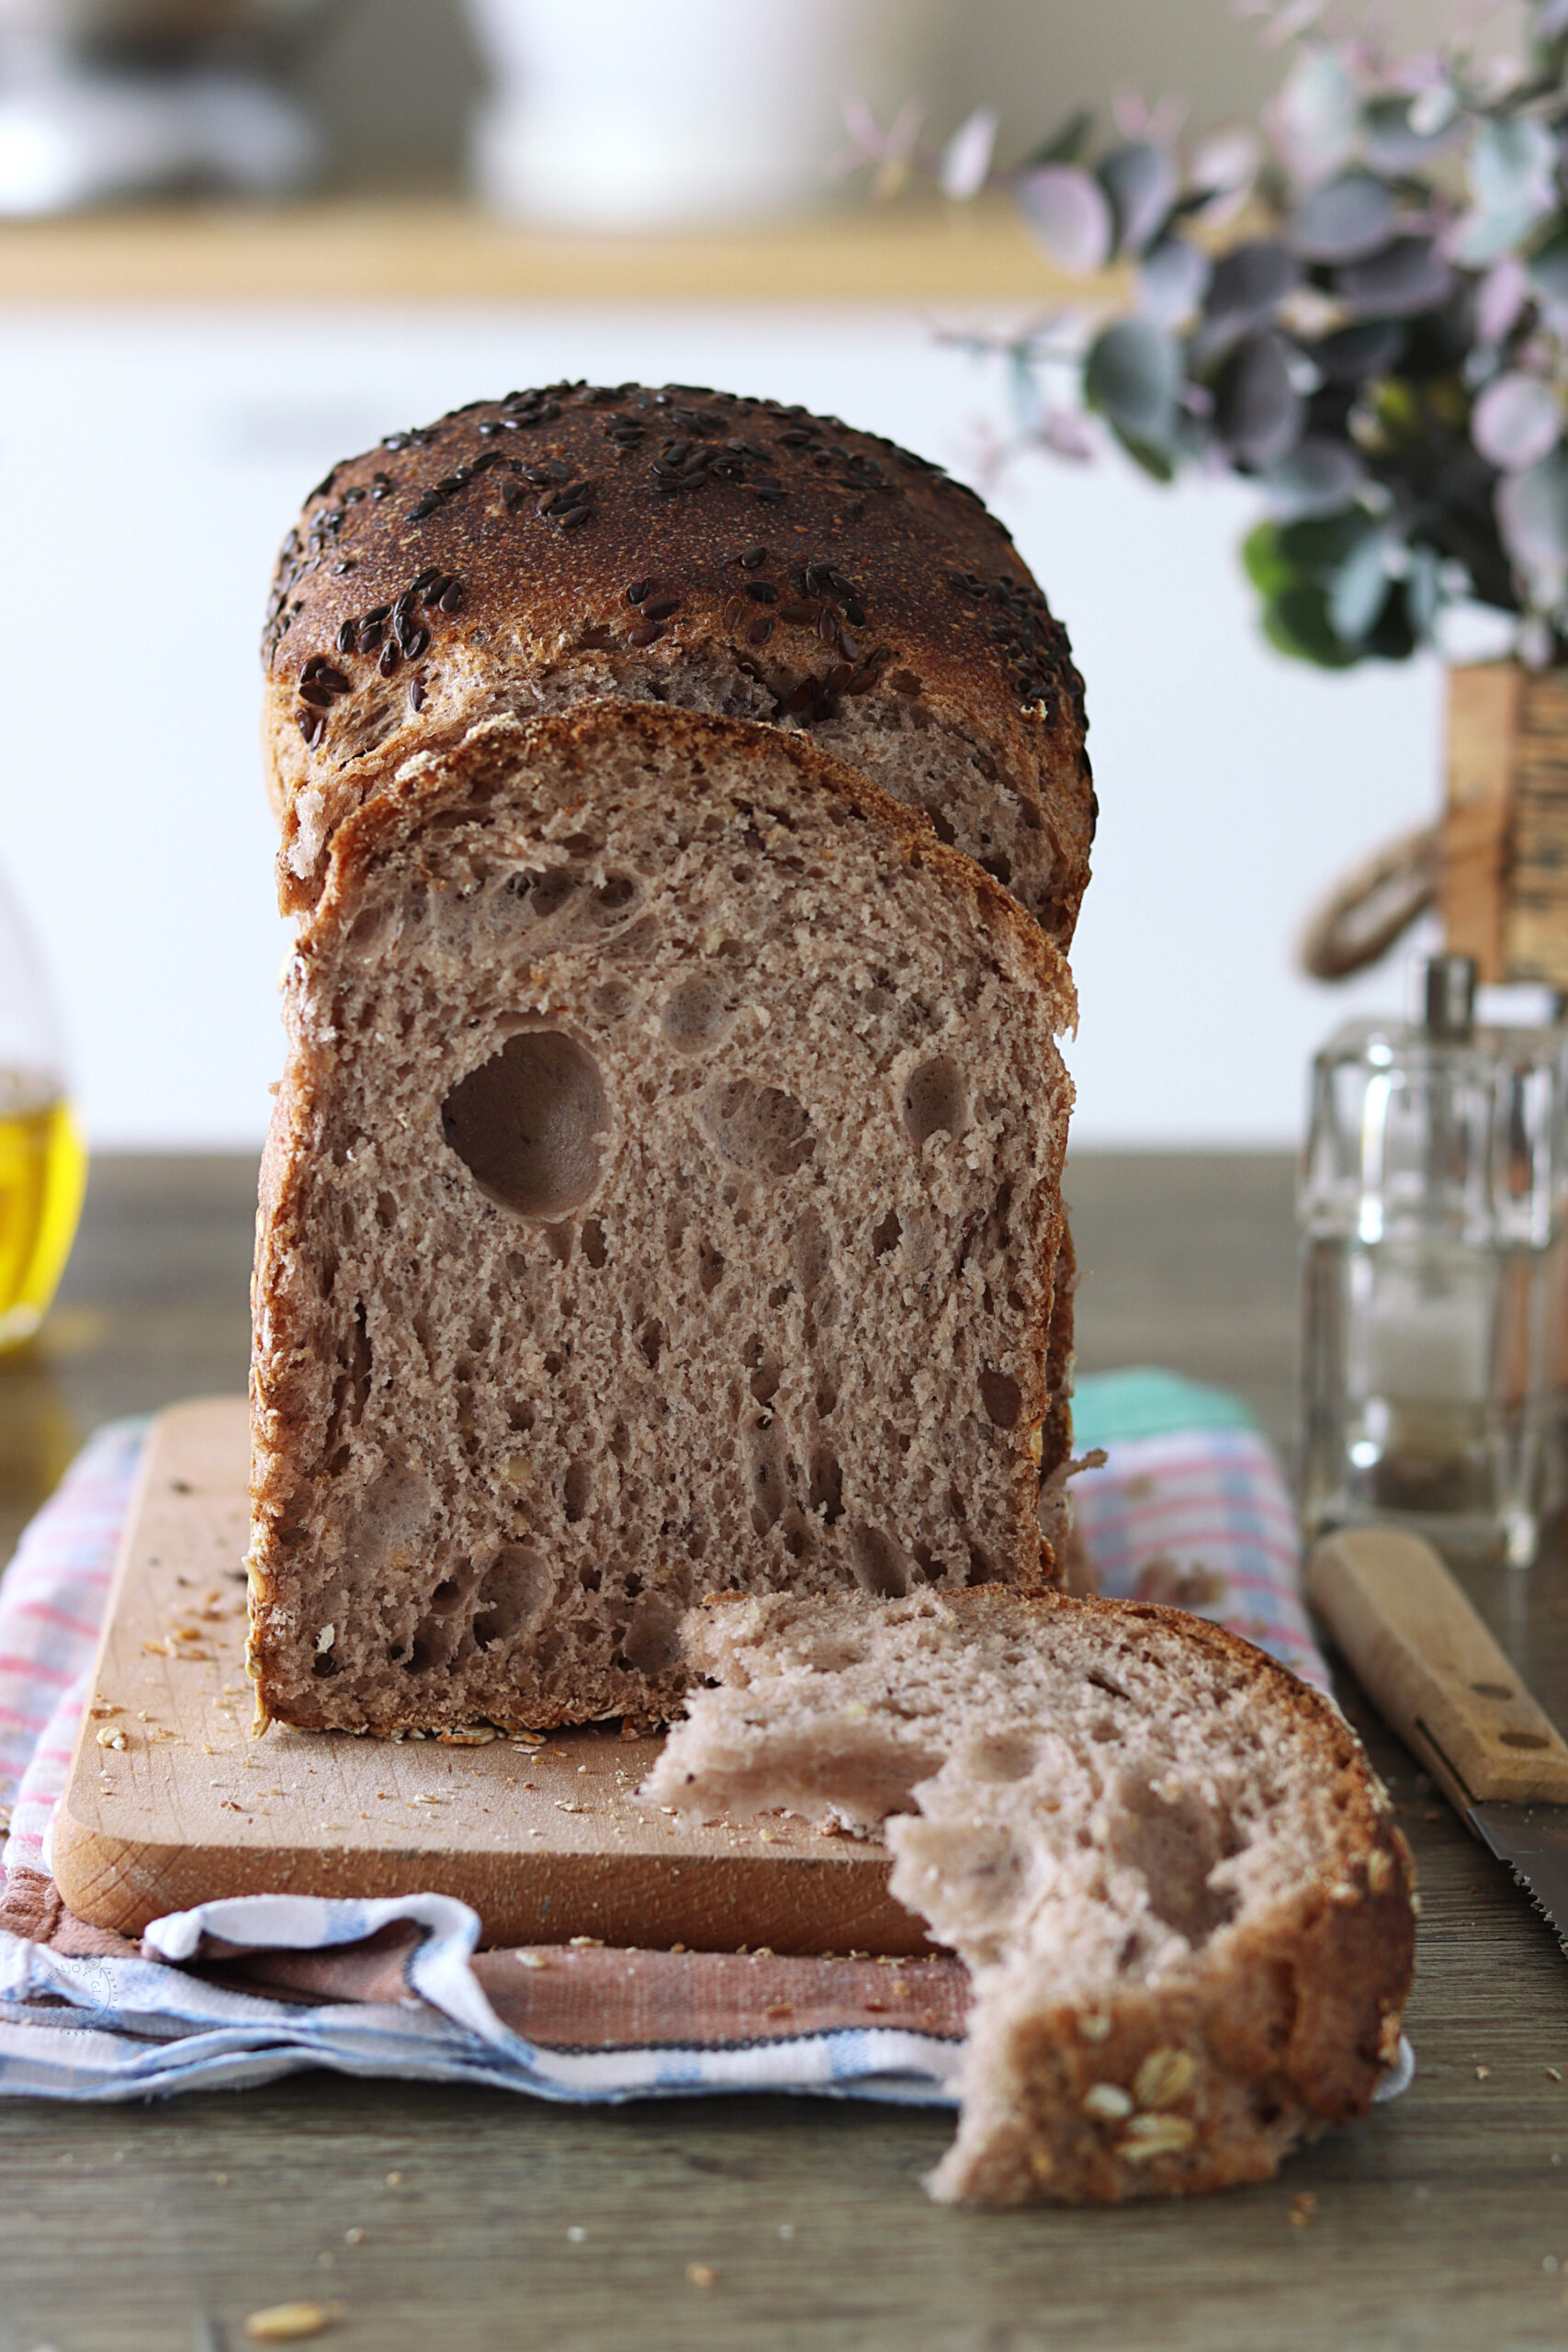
(111, 1738)
(532, 1959)
(576, 2234)
(353, 2237)
(1482, 2072)
(394, 2180)
(1303, 2205)
(701, 2274)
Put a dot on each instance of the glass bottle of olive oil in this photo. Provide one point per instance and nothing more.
(43, 1161)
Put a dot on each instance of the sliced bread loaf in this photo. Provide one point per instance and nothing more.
(662, 1199)
(1173, 1876)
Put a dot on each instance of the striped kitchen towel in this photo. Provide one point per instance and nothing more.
(1188, 1507)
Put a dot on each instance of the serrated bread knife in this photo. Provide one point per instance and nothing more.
(1433, 1670)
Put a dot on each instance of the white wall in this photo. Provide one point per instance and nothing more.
(149, 465)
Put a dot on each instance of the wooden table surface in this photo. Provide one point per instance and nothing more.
(461, 2219)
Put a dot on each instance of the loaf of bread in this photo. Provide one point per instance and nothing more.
(1177, 1883)
(663, 1193)
(688, 548)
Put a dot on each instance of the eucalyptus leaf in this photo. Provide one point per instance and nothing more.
(1513, 178)
(1515, 420)
(1068, 144)
(1547, 269)
(967, 158)
(1394, 138)
(1408, 277)
(1263, 560)
(1393, 636)
(1513, 164)
(1351, 355)
(1296, 622)
(1316, 116)
(1359, 589)
(1318, 548)
(1141, 181)
(1247, 287)
(1173, 277)
(1070, 214)
(1532, 517)
(1132, 377)
(1315, 478)
(1259, 412)
(1422, 591)
(1344, 220)
(1503, 293)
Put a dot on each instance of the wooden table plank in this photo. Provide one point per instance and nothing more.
(1440, 2223)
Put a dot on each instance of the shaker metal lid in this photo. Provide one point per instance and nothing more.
(1442, 994)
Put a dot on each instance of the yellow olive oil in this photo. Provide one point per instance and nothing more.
(44, 1169)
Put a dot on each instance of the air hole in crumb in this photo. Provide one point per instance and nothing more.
(759, 1128)
(888, 1234)
(827, 1488)
(934, 1100)
(764, 1382)
(651, 1342)
(589, 1578)
(561, 1237)
(710, 1267)
(552, 891)
(324, 1663)
(1000, 868)
(514, 1591)
(520, 1416)
(880, 1567)
(613, 999)
(554, 1364)
(778, 1296)
(578, 1488)
(1002, 1399)
(698, 1013)
(826, 1398)
(1175, 1847)
(652, 1644)
(527, 1124)
(386, 1211)
(942, 826)
(614, 896)
(1004, 1756)
(593, 1248)
(981, 1568)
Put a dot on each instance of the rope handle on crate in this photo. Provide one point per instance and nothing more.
(1375, 904)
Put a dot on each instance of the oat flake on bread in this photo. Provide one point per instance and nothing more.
(684, 811)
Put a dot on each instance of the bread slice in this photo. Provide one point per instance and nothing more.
(662, 1199)
(1174, 1876)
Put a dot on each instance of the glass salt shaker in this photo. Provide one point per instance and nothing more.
(1430, 1212)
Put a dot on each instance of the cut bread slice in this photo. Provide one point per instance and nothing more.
(664, 1198)
(1166, 1861)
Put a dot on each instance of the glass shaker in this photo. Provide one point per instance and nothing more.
(1429, 1215)
(43, 1161)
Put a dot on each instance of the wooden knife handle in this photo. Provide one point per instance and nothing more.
(1434, 1671)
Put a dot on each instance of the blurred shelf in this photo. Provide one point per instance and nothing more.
(360, 249)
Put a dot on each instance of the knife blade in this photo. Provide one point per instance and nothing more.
(1434, 1671)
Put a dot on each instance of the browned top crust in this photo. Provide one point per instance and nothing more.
(680, 545)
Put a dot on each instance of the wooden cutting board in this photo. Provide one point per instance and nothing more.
(172, 1801)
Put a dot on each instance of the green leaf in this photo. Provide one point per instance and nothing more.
(1393, 638)
(1318, 544)
(1264, 564)
(1069, 142)
(1296, 622)
(1155, 461)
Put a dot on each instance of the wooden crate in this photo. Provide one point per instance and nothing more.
(1504, 891)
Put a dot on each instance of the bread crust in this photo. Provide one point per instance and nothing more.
(785, 568)
(288, 1386)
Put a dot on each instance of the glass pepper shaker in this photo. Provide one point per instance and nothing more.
(1430, 1211)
